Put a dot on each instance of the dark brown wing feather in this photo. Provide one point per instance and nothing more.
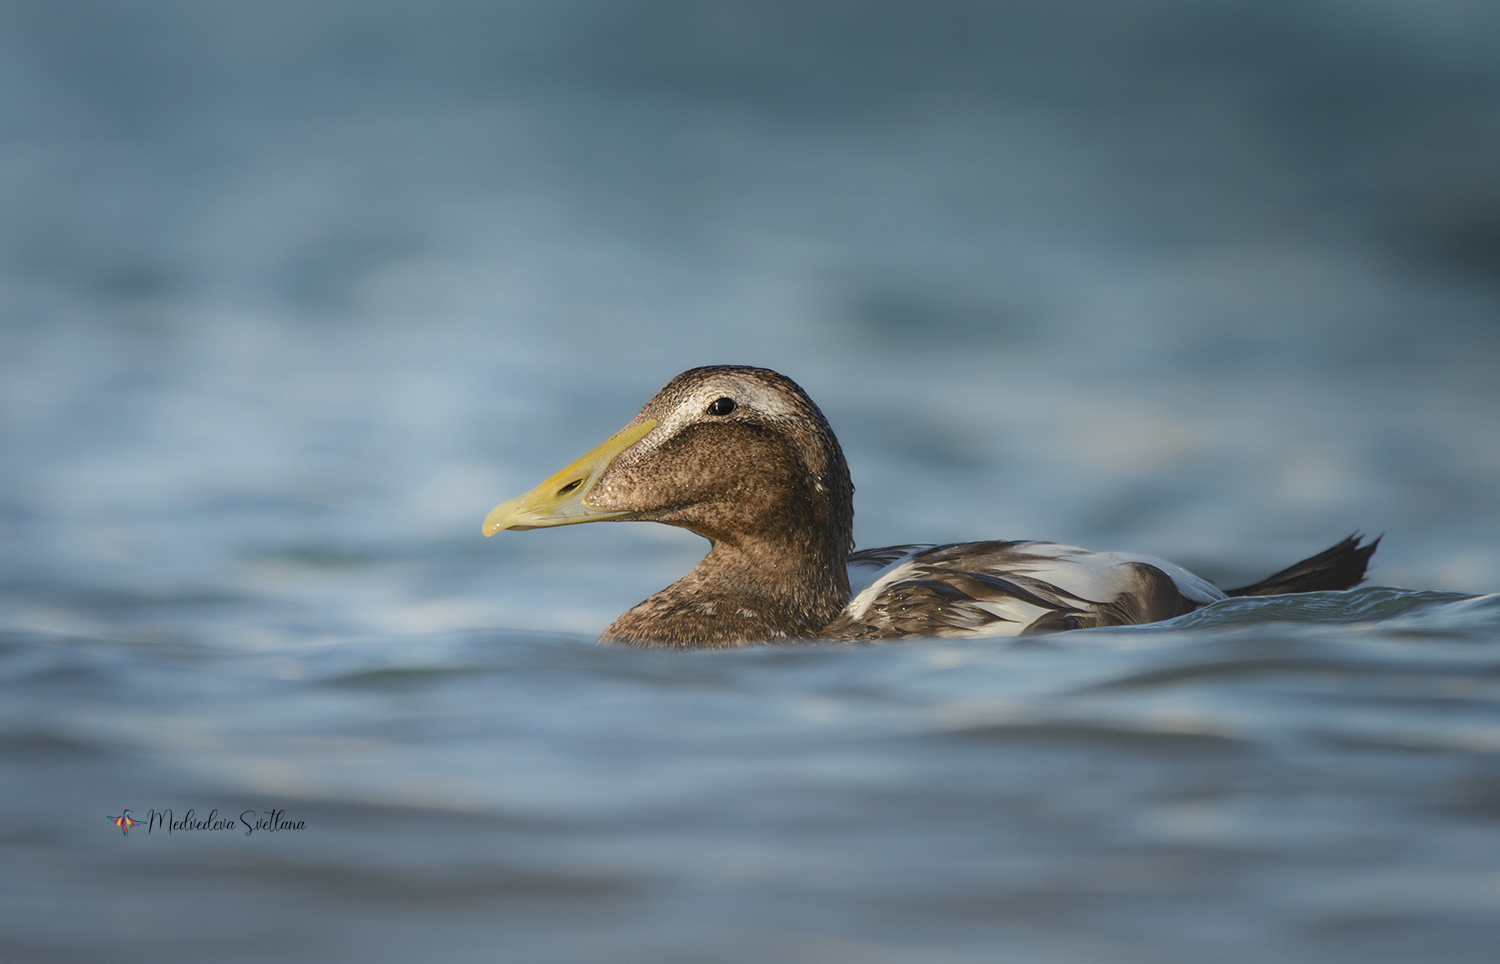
(1338, 567)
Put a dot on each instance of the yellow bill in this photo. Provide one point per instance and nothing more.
(559, 501)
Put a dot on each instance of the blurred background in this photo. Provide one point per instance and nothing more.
(292, 293)
(299, 283)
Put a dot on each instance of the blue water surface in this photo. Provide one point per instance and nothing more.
(292, 294)
(1297, 778)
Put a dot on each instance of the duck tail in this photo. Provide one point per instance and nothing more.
(1340, 567)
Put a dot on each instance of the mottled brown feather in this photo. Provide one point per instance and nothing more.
(771, 492)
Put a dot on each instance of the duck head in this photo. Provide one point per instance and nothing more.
(739, 455)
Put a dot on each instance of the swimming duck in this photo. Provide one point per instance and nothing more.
(742, 457)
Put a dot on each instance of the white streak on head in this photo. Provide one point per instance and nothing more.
(747, 393)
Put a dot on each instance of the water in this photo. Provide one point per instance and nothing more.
(289, 298)
(1294, 779)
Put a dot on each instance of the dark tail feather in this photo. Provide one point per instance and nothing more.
(1342, 567)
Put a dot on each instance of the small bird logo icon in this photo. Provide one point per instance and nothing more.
(124, 822)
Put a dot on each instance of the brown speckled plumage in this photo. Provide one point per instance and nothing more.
(771, 492)
(742, 457)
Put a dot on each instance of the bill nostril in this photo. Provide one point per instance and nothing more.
(570, 487)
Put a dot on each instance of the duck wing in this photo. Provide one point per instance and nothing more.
(867, 565)
(1010, 588)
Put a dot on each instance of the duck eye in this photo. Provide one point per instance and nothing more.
(721, 406)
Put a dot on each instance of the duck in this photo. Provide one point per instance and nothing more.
(744, 458)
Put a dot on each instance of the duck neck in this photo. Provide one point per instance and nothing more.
(744, 593)
(807, 578)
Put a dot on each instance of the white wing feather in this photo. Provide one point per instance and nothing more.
(1090, 577)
